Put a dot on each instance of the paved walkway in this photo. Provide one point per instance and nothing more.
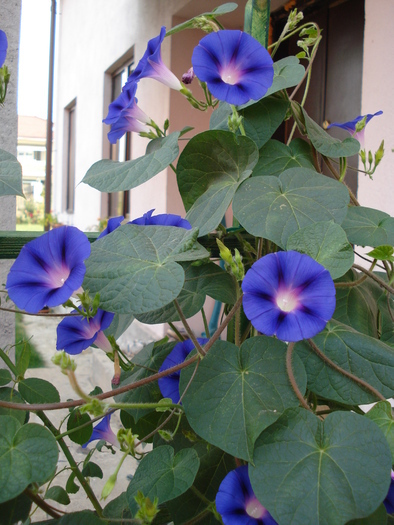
(93, 369)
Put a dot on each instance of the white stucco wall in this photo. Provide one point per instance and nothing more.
(377, 94)
(92, 46)
(10, 11)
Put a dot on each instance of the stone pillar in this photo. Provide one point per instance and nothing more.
(10, 14)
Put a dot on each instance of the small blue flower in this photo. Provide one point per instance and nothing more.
(124, 115)
(163, 219)
(112, 224)
(389, 500)
(103, 431)
(237, 503)
(3, 47)
(152, 66)
(49, 269)
(289, 295)
(235, 66)
(351, 126)
(169, 385)
(76, 333)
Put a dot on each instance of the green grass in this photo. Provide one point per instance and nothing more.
(29, 228)
(36, 360)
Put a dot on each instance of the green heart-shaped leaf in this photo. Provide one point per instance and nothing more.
(110, 175)
(10, 175)
(382, 414)
(34, 390)
(327, 145)
(276, 207)
(309, 472)
(368, 227)
(236, 393)
(165, 476)
(28, 454)
(365, 357)
(326, 242)
(135, 268)
(276, 157)
(200, 281)
(209, 170)
(260, 119)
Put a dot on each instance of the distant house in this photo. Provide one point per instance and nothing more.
(350, 79)
(31, 153)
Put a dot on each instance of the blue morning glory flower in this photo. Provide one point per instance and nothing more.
(289, 295)
(103, 431)
(124, 115)
(389, 500)
(76, 333)
(3, 47)
(112, 224)
(48, 269)
(236, 502)
(169, 385)
(351, 126)
(235, 66)
(163, 219)
(152, 66)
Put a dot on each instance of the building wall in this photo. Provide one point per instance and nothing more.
(104, 38)
(10, 11)
(378, 94)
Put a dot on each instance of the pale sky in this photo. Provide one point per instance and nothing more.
(34, 58)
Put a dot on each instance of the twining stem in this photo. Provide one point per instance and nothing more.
(74, 467)
(198, 518)
(76, 429)
(350, 284)
(75, 386)
(42, 504)
(238, 320)
(177, 332)
(220, 329)
(8, 362)
(189, 331)
(374, 278)
(205, 321)
(345, 373)
(290, 374)
(126, 388)
(12, 310)
(105, 395)
(336, 175)
(136, 406)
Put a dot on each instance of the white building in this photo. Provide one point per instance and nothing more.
(99, 40)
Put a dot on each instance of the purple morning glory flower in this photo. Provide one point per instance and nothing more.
(163, 219)
(48, 269)
(289, 295)
(389, 500)
(103, 431)
(152, 66)
(3, 47)
(112, 224)
(76, 333)
(169, 385)
(236, 502)
(124, 115)
(351, 126)
(235, 66)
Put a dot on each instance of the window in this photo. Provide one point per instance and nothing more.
(118, 203)
(69, 160)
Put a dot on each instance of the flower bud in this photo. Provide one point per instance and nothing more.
(187, 78)
(379, 153)
(109, 486)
